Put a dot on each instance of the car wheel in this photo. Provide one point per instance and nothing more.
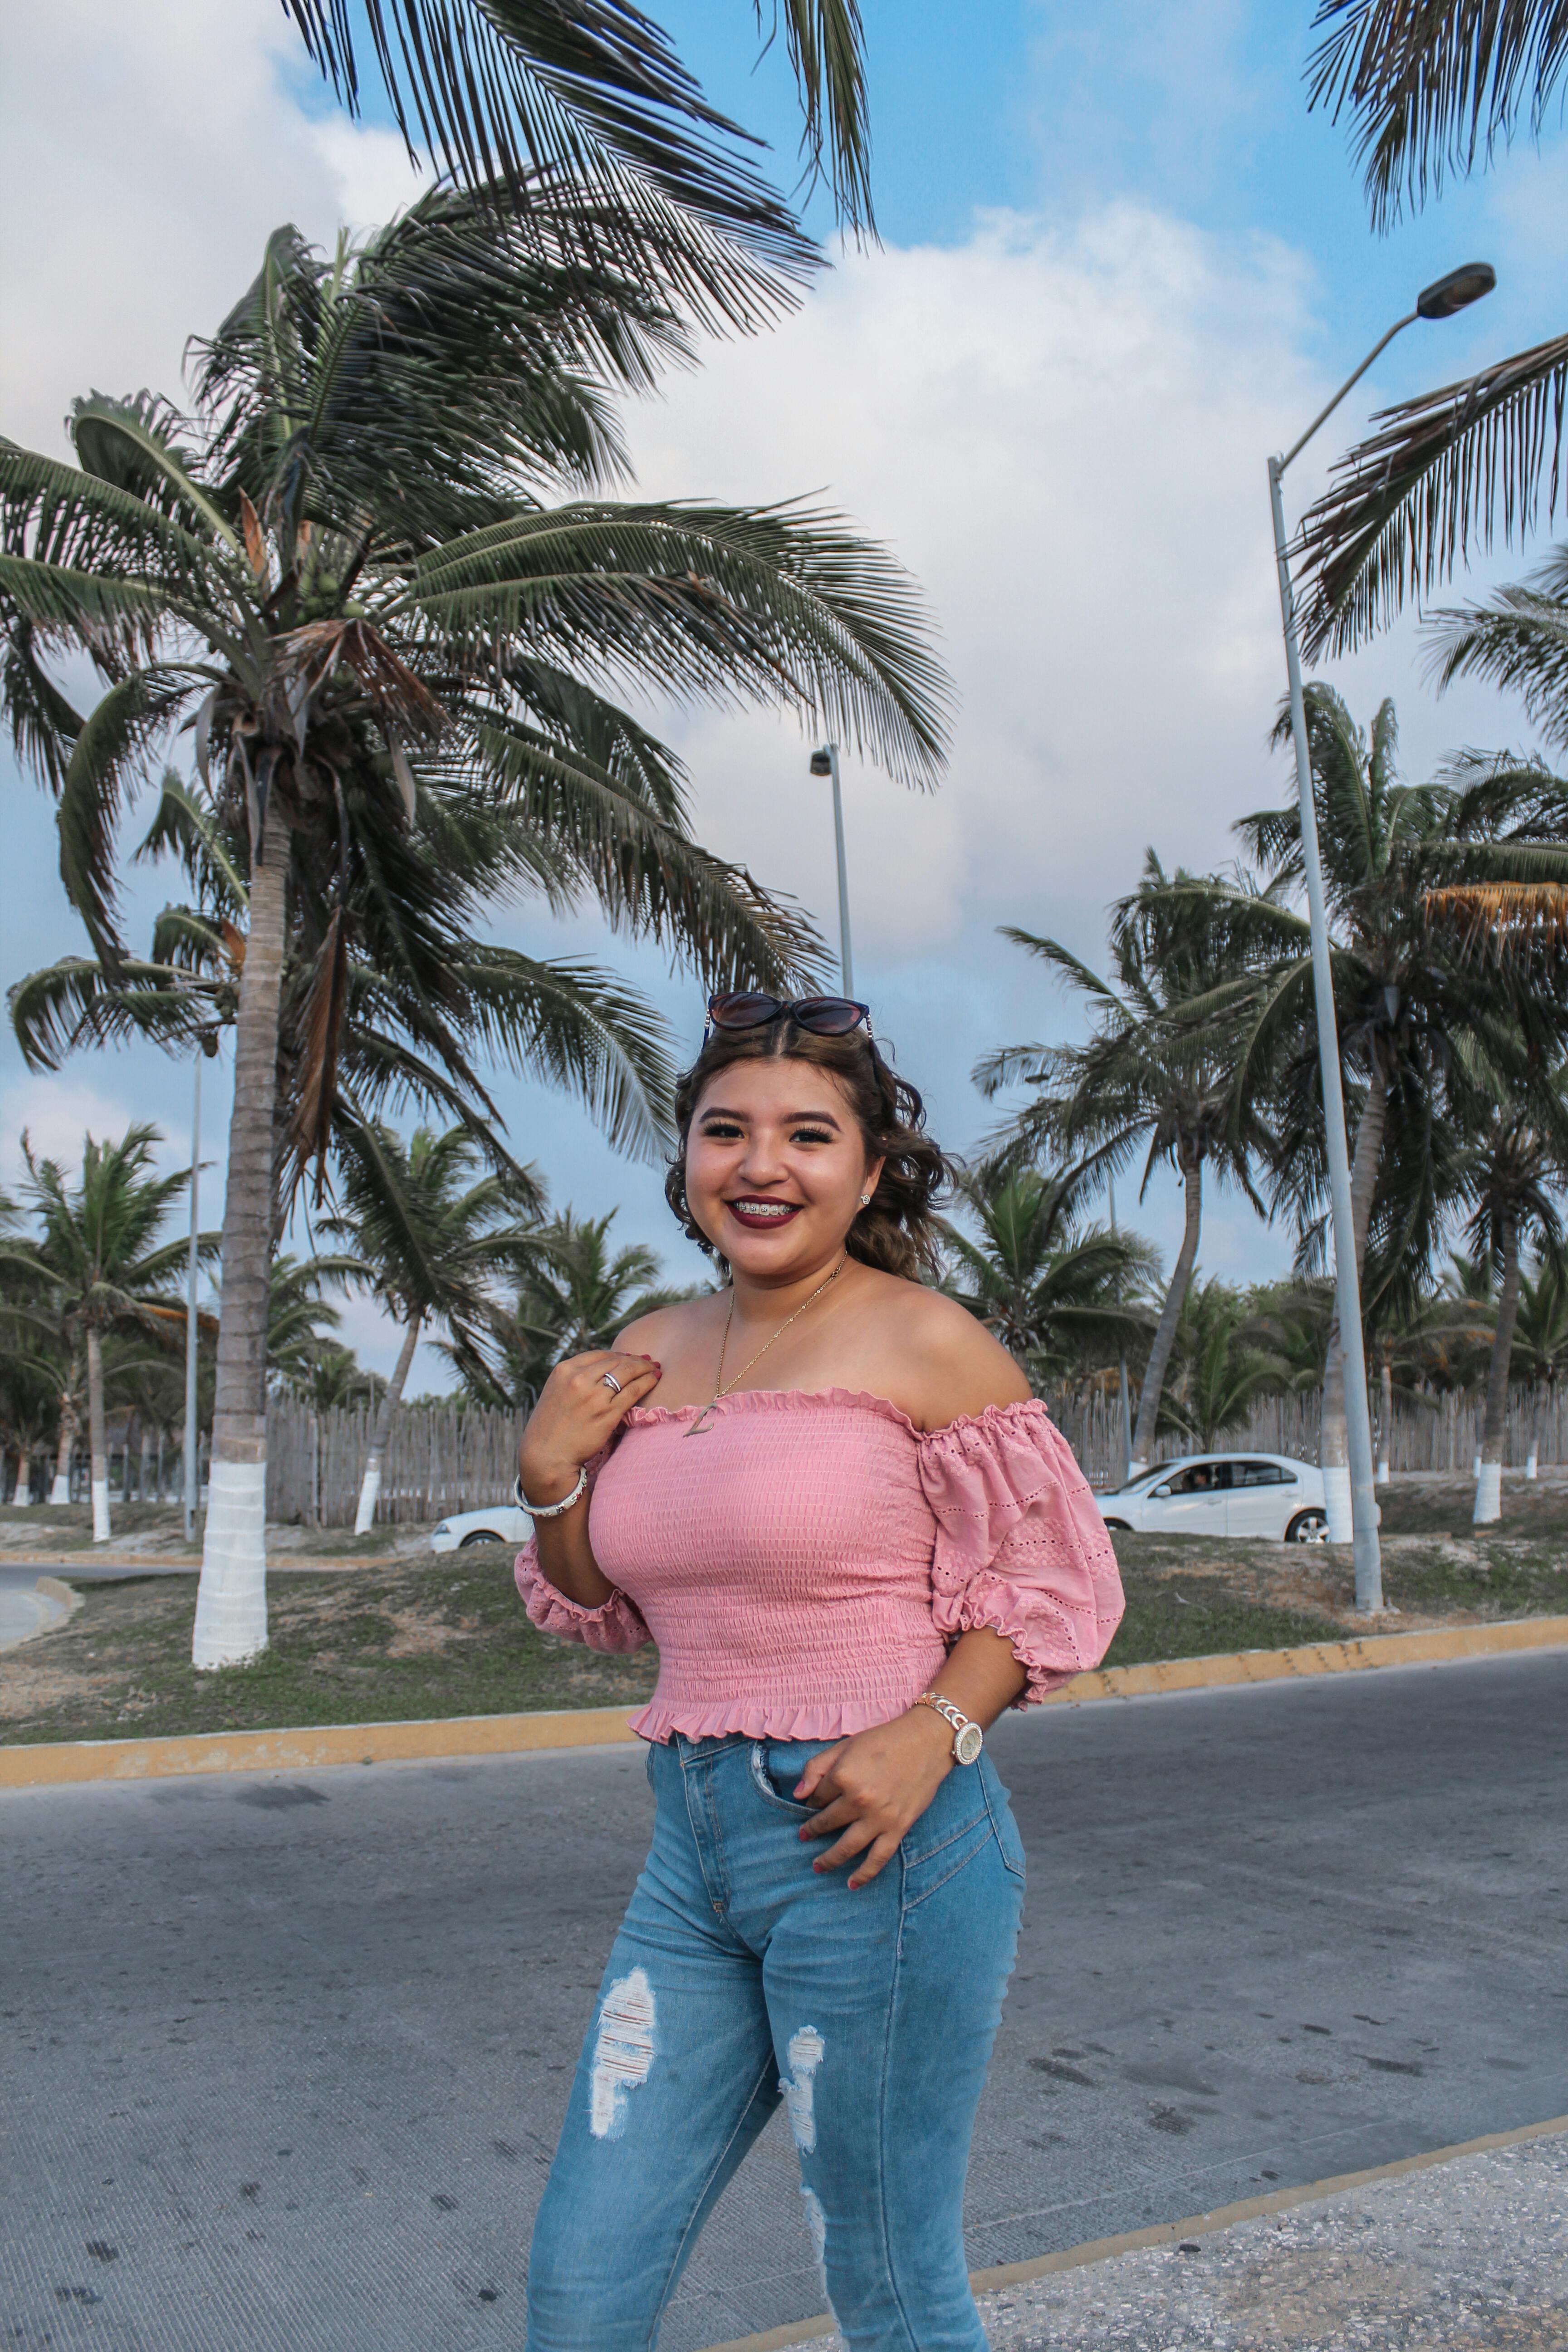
(481, 1536)
(1308, 1527)
(1120, 1527)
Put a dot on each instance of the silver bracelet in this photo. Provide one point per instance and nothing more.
(551, 1510)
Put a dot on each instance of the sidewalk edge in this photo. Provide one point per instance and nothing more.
(1166, 2234)
(312, 1747)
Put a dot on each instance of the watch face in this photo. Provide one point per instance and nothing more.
(969, 1743)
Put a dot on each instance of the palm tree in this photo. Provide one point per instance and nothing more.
(1150, 1075)
(1541, 1339)
(298, 1317)
(1515, 1171)
(1222, 1368)
(1432, 89)
(1051, 1289)
(394, 663)
(98, 1242)
(574, 1293)
(1432, 1039)
(430, 1240)
(538, 90)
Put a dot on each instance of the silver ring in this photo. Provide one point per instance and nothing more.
(611, 1383)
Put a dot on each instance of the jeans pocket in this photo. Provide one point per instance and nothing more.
(776, 1767)
(1007, 1828)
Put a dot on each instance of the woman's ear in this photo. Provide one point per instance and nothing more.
(870, 1183)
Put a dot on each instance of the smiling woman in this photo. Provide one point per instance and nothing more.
(849, 1578)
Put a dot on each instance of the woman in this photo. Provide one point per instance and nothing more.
(828, 1495)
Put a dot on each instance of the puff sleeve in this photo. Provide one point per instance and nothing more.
(617, 1626)
(1020, 1545)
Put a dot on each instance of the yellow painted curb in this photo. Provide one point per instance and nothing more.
(307, 1750)
(1364, 1650)
(1166, 2234)
(45, 1763)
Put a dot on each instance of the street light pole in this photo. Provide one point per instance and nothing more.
(824, 763)
(192, 1442)
(1452, 293)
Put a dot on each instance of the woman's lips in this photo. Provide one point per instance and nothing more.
(763, 1216)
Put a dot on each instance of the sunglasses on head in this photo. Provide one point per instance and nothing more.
(824, 1017)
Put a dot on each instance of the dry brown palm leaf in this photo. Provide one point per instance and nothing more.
(1501, 920)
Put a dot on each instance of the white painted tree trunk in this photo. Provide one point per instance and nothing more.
(369, 1485)
(96, 1440)
(231, 1599)
(1494, 1429)
(1488, 1494)
(1533, 1458)
(61, 1492)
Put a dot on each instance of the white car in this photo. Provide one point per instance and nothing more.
(503, 1524)
(1266, 1495)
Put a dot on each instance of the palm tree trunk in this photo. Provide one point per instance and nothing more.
(1488, 1483)
(231, 1600)
(96, 1439)
(1169, 1316)
(144, 1468)
(1386, 1430)
(1334, 1451)
(369, 1485)
(70, 1421)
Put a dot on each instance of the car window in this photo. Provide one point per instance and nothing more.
(1260, 1474)
(1203, 1479)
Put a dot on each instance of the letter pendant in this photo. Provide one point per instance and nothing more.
(701, 1425)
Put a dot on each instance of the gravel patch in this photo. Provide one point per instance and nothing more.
(1470, 2255)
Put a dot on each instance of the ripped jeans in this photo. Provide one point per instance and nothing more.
(741, 1975)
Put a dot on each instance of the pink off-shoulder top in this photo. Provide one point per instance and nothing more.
(804, 1562)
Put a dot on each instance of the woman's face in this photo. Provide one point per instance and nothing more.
(775, 1167)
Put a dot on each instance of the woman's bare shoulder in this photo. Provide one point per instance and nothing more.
(668, 1328)
(953, 1366)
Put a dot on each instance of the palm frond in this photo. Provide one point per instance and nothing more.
(1442, 474)
(1432, 86)
(530, 93)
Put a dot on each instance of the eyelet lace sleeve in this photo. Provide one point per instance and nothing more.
(616, 1625)
(1020, 1545)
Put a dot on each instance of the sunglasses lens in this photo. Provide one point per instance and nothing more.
(830, 1016)
(742, 1011)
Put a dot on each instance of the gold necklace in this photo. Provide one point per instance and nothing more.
(701, 1425)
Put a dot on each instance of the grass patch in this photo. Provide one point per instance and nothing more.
(1162, 1625)
(379, 1646)
(391, 1640)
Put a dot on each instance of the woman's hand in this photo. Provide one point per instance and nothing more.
(577, 1415)
(875, 1786)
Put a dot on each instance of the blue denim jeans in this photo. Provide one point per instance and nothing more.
(741, 1975)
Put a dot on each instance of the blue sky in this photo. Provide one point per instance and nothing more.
(1120, 263)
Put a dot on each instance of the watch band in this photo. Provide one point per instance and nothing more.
(968, 1738)
(551, 1510)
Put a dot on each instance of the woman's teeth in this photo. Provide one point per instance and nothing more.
(762, 1213)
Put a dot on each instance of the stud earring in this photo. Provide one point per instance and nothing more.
(865, 1200)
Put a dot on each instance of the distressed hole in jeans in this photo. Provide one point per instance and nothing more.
(804, 2055)
(816, 2221)
(623, 2054)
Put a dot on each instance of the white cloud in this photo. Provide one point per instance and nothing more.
(1062, 433)
(148, 155)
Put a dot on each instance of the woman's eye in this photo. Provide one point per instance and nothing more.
(811, 1134)
(720, 1131)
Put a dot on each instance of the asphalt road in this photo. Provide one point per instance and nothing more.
(284, 2060)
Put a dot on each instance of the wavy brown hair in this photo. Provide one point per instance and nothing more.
(897, 1232)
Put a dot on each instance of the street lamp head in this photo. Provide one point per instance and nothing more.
(1457, 291)
(822, 762)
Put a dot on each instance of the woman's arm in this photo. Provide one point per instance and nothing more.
(875, 1786)
(577, 1414)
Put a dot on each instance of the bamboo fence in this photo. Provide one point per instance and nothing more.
(442, 1460)
(1445, 1435)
